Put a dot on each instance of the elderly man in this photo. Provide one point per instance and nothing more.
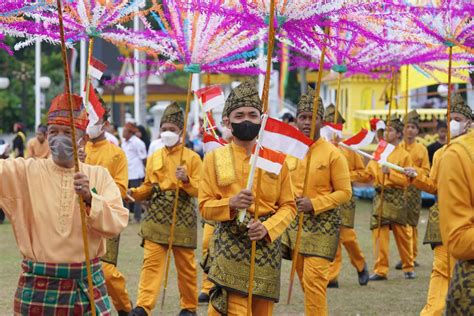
(39, 198)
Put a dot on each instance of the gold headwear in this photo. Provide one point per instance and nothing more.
(396, 123)
(305, 104)
(459, 106)
(173, 114)
(330, 113)
(243, 95)
(413, 118)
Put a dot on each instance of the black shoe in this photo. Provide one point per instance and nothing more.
(123, 313)
(410, 275)
(376, 277)
(363, 276)
(187, 312)
(399, 265)
(138, 311)
(416, 264)
(203, 298)
(334, 284)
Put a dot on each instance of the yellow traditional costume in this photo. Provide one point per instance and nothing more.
(38, 197)
(420, 159)
(347, 236)
(105, 154)
(329, 187)
(160, 186)
(224, 175)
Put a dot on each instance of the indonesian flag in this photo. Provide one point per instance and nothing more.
(330, 129)
(211, 97)
(270, 160)
(94, 107)
(383, 150)
(361, 139)
(376, 124)
(210, 142)
(210, 123)
(285, 138)
(96, 68)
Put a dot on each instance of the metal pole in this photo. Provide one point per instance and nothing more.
(136, 77)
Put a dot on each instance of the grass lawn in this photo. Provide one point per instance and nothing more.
(396, 296)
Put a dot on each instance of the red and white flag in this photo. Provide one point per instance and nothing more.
(94, 107)
(270, 160)
(376, 124)
(361, 139)
(285, 138)
(96, 68)
(210, 142)
(330, 129)
(383, 150)
(211, 97)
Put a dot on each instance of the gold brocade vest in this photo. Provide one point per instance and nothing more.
(230, 263)
(433, 232)
(319, 238)
(112, 246)
(347, 211)
(394, 209)
(413, 205)
(156, 225)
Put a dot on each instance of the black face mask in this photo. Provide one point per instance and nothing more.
(245, 130)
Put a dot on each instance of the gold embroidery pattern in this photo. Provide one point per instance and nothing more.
(394, 209)
(413, 205)
(433, 233)
(460, 299)
(112, 246)
(224, 163)
(347, 211)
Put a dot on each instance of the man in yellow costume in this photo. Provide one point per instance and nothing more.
(164, 172)
(222, 194)
(347, 233)
(456, 205)
(394, 212)
(100, 152)
(48, 228)
(461, 117)
(421, 162)
(329, 187)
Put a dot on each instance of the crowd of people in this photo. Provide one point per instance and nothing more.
(114, 174)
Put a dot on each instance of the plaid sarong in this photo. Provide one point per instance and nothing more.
(60, 289)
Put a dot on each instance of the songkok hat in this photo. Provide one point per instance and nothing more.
(396, 123)
(305, 104)
(413, 118)
(245, 94)
(330, 113)
(58, 113)
(459, 106)
(173, 114)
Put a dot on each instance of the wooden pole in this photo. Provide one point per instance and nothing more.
(338, 97)
(176, 199)
(380, 211)
(88, 78)
(265, 94)
(308, 167)
(448, 119)
(67, 87)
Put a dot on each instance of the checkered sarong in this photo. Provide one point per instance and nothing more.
(60, 289)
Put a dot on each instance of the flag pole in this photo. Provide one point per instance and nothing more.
(67, 86)
(176, 199)
(265, 94)
(308, 167)
(88, 77)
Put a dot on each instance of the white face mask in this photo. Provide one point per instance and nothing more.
(456, 128)
(169, 138)
(94, 131)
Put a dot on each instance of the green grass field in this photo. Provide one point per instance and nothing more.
(396, 296)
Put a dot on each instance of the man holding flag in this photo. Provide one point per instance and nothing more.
(163, 174)
(419, 157)
(391, 204)
(54, 282)
(329, 186)
(223, 194)
(347, 236)
(100, 152)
